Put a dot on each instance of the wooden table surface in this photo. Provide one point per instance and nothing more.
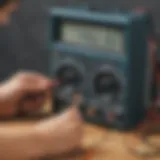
(102, 144)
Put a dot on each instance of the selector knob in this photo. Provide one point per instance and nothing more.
(108, 85)
(106, 82)
(69, 75)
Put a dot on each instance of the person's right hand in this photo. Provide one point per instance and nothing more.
(14, 93)
(62, 133)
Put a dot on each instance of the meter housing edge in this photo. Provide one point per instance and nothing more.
(105, 57)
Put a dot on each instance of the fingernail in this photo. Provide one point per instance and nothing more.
(55, 83)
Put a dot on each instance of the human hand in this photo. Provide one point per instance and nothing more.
(17, 87)
(62, 133)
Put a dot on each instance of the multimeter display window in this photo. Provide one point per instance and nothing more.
(102, 37)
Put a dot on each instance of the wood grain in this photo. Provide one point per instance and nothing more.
(101, 144)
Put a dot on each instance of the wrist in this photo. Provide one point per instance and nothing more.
(40, 147)
(48, 140)
(20, 143)
(43, 140)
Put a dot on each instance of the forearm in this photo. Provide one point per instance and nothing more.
(20, 144)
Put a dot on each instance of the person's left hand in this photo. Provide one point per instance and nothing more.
(14, 90)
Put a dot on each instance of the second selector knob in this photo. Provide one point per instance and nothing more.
(69, 75)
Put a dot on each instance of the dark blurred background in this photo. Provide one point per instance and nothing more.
(25, 40)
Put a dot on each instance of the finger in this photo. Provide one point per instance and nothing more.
(27, 107)
(33, 104)
(39, 85)
(37, 78)
(73, 114)
(30, 107)
(32, 77)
